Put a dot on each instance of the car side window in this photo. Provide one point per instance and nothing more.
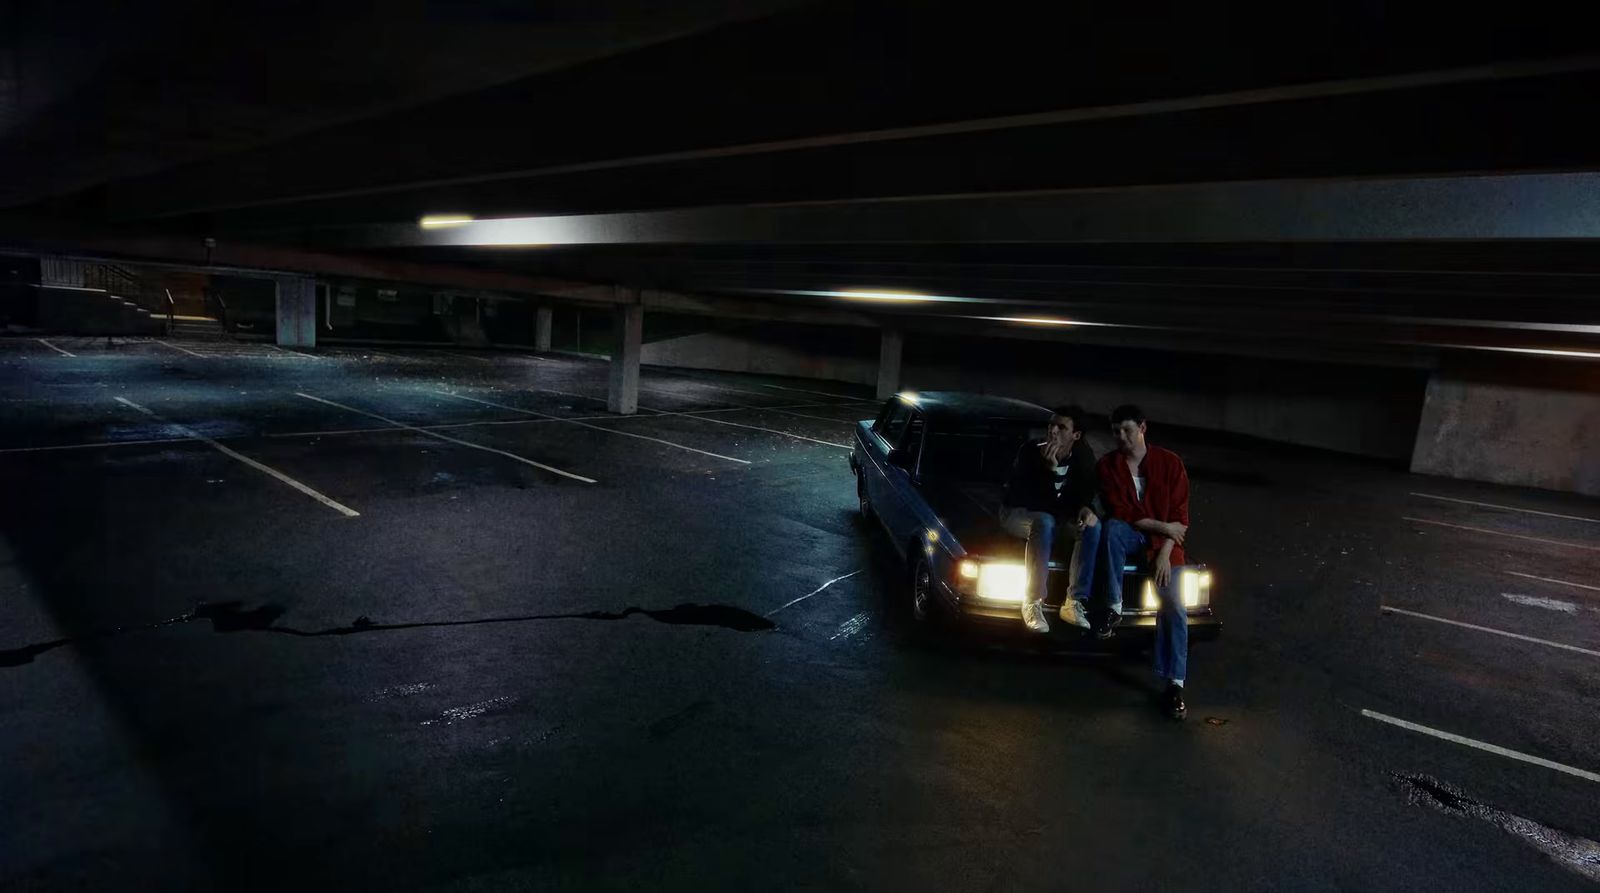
(911, 443)
(893, 427)
(884, 413)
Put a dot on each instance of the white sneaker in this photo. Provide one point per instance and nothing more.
(1033, 616)
(1072, 614)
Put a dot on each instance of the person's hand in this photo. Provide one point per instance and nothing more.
(1086, 518)
(1163, 571)
(1176, 532)
(1052, 452)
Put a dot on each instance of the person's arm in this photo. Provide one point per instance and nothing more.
(1083, 486)
(1015, 493)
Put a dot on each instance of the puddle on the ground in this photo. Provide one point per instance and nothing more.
(1574, 853)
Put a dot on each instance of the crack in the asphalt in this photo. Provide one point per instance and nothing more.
(1574, 853)
(230, 617)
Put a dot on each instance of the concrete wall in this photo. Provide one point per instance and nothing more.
(1362, 410)
(797, 351)
(1535, 425)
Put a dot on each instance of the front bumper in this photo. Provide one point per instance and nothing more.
(1203, 622)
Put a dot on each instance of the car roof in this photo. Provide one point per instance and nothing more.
(961, 406)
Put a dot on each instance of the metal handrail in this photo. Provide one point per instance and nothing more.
(171, 304)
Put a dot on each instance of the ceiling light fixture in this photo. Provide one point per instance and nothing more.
(440, 221)
(1034, 320)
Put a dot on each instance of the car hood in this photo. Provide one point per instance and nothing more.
(971, 513)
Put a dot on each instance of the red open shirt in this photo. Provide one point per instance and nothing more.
(1166, 493)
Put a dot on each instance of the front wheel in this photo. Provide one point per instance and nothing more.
(922, 594)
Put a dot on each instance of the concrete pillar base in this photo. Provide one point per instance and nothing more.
(543, 322)
(622, 397)
(889, 351)
(297, 311)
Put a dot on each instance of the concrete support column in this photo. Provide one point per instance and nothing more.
(297, 311)
(623, 395)
(889, 363)
(543, 321)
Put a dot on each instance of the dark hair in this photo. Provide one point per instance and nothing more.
(1127, 412)
(1071, 411)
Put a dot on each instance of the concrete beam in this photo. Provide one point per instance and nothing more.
(622, 394)
(889, 350)
(297, 311)
(543, 322)
(1506, 206)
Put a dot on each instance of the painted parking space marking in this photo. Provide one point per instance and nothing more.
(582, 424)
(1554, 580)
(171, 346)
(767, 429)
(103, 444)
(819, 589)
(1508, 508)
(851, 627)
(1535, 601)
(295, 352)
(448, 439)
(1482, 745)
(273, 472)
(1389, 609)
(54, 348)
(1501, 533)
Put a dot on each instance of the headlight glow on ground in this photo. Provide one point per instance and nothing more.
(1002, 582)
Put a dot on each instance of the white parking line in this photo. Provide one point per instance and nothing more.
(1482, 745)
(445, 437)
(821, 393)
(342, 509)
(1554, 580)
(1515, 536)
(54, 348)
(1489, 629)
(1535, 601)
(177, 348)
(811, 593)
(842, 446)
(852, 626)
(552, 418)
(295, 352)
(98, 445)
(1509, 508)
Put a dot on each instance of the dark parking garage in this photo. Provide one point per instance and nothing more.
(437, 446)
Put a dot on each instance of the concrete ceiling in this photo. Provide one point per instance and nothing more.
(1255, 167)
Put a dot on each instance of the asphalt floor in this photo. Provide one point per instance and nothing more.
(403, 618)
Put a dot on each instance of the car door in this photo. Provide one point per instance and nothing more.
(898, 508)
(885, 433)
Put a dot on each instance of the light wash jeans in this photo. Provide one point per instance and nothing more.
(1041, 529)
(1119, 541)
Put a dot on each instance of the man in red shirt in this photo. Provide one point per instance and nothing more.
(1146, 490)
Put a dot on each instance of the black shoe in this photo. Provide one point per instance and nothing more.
(1108, 627)
(1172, 702)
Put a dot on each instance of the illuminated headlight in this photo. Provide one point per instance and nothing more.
(996, 582)
(1194, 585)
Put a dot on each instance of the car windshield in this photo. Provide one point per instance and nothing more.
(980, 450)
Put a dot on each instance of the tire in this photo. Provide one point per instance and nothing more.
(924, 600)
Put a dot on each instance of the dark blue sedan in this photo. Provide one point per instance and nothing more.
(930, 470)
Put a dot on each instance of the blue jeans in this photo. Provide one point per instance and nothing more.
(1119, 541)
(1040, 529)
